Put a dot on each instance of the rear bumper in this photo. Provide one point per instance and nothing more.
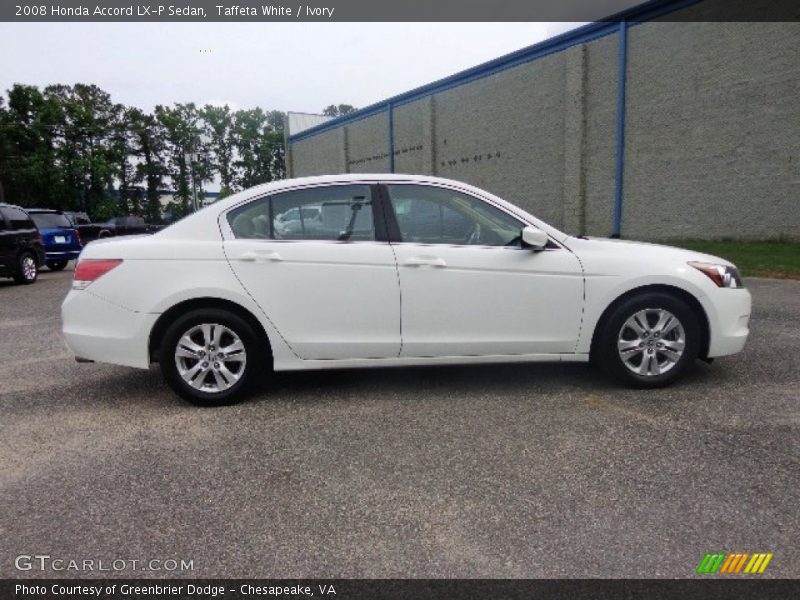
(97, 330)
(62, 254)
(728, 314)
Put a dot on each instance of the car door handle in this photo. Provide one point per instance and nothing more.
(255, 256)
(424, 261)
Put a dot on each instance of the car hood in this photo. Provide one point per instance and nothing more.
(641, 251)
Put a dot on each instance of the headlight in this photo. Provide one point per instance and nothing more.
(721, 275)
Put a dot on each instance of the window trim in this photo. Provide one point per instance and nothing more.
(395, 237)
(378, 221)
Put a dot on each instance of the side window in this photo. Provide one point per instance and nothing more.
(339, 213)
(251, 221)
(18, 219)
(432, 215)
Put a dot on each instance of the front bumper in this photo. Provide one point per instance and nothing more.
(95, 329)
(728, 312)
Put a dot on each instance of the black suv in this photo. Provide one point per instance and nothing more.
(21, 251)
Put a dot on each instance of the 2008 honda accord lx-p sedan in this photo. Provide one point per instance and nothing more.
(382, 270)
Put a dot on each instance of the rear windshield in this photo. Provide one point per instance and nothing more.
(50, 220)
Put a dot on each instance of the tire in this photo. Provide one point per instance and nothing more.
(648, 340)
(27, 269)
(56, 265)
(196, 373)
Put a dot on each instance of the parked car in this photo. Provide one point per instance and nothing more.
(219, 300)
(125, 226)
(87, 230)
(62, 242)
(113, 227)
(21, 252)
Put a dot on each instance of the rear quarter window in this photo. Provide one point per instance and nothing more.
(18, 219)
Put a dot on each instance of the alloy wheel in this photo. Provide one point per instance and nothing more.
(651, 342)
(28, 268)
(210, 357)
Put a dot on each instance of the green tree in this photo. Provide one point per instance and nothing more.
(29, 173)
(150, 169)
(72, 147)
(218, 122)
(259, 146)
(85, 148)
(123, 148)
(182, 135)
(339, 110)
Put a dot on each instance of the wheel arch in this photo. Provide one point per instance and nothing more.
(163, 322)
(28, 250)
(688, 297)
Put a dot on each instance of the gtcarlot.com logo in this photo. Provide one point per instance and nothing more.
(45, 562)
(734, 563)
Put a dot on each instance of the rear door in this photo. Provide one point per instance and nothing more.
(318, 263)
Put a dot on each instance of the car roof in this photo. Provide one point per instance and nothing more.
(43, 210)
(354, 177)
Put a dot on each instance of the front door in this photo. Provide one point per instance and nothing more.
(322, 272)
(468, 286)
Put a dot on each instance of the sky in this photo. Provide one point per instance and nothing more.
(277, 66)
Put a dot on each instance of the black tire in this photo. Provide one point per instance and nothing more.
(56, 265)
(257, 362)
(27, 269)
(606, 352)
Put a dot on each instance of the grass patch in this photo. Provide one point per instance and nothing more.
(755, 259)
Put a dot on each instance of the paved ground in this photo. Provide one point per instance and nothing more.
(511, 471)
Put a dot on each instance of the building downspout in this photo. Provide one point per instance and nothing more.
(390, 113)
(619, 172)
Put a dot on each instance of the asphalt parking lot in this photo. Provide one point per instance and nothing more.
(496, 471)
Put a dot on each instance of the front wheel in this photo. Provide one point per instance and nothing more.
(27, 269)
(56, 265)
(649, 340)
(211, 357)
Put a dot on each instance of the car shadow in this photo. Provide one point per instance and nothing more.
(121, 386)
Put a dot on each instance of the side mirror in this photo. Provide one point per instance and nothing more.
(534, 238)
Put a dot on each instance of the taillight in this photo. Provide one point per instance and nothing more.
(77, 235)
(92, 269)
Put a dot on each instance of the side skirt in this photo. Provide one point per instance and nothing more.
(408, 361)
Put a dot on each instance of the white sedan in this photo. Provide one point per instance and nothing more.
(391, 270)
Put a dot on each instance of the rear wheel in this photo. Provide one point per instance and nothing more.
(56, 265)
(649, 340)
(27, 269)
(211, 357)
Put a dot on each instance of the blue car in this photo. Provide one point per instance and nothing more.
(61, 241)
